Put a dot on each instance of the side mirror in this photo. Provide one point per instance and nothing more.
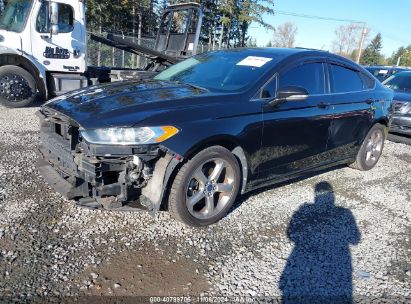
(54, 18)
(291, 93)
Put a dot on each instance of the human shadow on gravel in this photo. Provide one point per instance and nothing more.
(319, 268)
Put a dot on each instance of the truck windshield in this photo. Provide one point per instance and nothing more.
(15, 15)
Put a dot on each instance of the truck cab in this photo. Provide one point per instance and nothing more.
(32, 43)
(43, 48)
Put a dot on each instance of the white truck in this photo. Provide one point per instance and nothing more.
(43, 48)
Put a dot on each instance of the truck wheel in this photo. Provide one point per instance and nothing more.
(205, 187)
(17, 87)
(371, 149)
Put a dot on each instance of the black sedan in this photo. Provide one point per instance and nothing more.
(210, 128)
(401, 118)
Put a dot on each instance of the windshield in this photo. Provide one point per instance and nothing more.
(221, 70)
(15, 15)
(399, 82)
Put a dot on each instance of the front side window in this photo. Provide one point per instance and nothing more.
(65, 18)
(345, 80)
(15, 15)
(309, 76)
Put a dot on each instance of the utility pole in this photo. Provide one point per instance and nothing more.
(363, 34)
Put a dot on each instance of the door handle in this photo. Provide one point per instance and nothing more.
(370, 101)
(323, 105)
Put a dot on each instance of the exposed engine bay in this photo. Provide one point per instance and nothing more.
(98, 176)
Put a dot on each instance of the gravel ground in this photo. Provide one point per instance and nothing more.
(296, 239)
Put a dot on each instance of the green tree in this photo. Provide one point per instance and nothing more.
(226, 22)
(404, 56)
(253, 11)
(372, 54)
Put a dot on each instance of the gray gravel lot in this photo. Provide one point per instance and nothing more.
(286, 239)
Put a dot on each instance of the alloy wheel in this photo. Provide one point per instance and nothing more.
(210, 188)
(373, 148)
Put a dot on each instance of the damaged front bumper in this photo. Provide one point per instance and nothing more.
(107, 177)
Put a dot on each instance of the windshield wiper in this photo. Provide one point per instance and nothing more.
(192, 85)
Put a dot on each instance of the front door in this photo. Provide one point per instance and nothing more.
(295, 132)
(65, 51)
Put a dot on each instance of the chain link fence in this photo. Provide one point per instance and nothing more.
(100, 54)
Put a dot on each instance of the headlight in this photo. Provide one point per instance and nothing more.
(129, 136)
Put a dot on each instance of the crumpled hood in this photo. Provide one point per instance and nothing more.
(123, 103)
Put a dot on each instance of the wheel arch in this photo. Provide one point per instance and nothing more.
(226, 141)
(382, 120)
(36, 71)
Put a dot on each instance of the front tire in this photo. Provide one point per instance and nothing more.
(371, 149)
(205, 187)
(17, 87)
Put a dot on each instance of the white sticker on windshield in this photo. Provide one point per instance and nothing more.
(254, 61)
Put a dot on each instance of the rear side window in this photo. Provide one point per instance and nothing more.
(310, 76)
(368, 82)
(345, 80)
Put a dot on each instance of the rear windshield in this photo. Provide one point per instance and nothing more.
(399, 82)
(221, 70)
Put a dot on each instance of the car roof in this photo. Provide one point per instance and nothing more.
(280, 54)
(274, 50)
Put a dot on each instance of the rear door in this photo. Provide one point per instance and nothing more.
(295, 132)
(353, 105)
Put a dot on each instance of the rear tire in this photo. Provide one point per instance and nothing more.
(205, 187)
(371, 149)
(17, 87)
